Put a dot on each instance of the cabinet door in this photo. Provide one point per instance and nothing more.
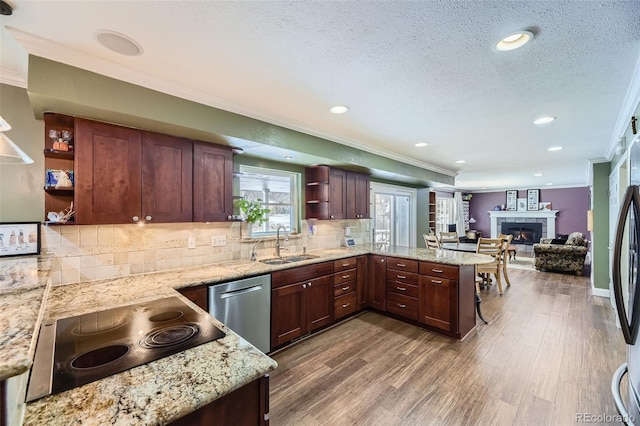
(287, 313)
(337, 194)
(377, 288)
(319, 301)
(357, 191)
(107, 173)
(198, 295)
(167, 178)
(438, 302)
(362, 271)
(212, 183)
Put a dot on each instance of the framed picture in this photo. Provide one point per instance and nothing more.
(533, 199)
(512, 200)
(19, 239)
(522, 204)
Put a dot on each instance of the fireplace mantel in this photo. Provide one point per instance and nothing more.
(549, 215)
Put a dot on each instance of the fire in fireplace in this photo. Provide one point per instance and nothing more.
(523, 232)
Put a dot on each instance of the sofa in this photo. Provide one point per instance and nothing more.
(551, 255)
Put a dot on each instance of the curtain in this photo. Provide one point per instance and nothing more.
(459, 213)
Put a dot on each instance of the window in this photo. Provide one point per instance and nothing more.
(278, 191)
(445, 214)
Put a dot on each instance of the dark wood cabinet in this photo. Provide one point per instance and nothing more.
(301, 301)
(212, 183)
(198, 295)
(126, 175)
(345, 279)
(402, 287)
(248, 405)
(377, 289)
(362, 270)
(357, 190)
(336, 194)
(56, 198)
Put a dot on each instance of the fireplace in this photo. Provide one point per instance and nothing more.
(523, 232)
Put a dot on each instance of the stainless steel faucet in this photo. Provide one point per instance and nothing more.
(286, 238)
(254, 256)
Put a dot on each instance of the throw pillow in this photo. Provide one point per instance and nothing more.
(558, 241)
(576, 239)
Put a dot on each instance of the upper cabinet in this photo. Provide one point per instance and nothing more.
(59, 166)
(126, 175)
(336, 194)
(212, 183)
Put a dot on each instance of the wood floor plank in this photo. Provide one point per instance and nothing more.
(547, 354)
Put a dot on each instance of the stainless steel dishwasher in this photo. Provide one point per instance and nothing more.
(245, 307)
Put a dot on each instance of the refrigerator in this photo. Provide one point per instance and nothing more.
(626, 289)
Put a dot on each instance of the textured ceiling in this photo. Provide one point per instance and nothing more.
(420, 71)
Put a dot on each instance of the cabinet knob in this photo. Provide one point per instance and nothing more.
(135, 218)
(331, 216)
(304, 286)
(148, 218)
(309, 284)
(229, 217)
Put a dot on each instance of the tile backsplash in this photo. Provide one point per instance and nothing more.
(96, 252)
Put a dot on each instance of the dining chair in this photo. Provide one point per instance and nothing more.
(450, 237)
(492, 247)
(431, 241)
(505, 256)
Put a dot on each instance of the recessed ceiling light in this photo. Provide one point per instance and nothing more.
(288, 157)
(421, 144)
(339, 109)
(537, 174)
(544, 120)
(549, 183)
(555, 148)
(461, 161)
(119, 43)
(514, 40)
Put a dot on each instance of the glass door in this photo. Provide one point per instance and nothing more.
(393, 215)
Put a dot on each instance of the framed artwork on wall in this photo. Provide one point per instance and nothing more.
(522, 204)
(512, 200)
(19, 238)
(533, 199)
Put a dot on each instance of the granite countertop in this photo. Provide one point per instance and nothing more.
(165, 389)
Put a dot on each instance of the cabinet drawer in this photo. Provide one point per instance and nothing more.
(344, 305)
(402, 305)
(302, 273)
(344, 288)
(344, 264)
(344, 276)
(402, 264)
(399, 288)
(437, 281)
(439, 270)
(402, 277)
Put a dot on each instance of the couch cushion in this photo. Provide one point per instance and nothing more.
(576, 239)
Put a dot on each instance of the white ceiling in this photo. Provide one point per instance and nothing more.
(411, 71)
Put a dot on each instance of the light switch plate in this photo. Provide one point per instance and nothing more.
(191, 242)
(218, 241)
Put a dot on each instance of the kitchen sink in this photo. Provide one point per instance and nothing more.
(288, 259)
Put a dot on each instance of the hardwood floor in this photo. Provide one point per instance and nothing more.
(547, 355)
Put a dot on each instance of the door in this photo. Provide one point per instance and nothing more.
(107, 171)
(287, 313)
(337, 194)
(318, 296)
(167, 178)
(377, 289)
(394, 215)
(212, 183)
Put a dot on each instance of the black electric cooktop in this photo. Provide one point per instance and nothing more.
(85, 348)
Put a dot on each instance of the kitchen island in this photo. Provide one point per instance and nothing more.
(164, 390)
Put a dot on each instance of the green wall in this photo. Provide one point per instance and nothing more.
(600, 233)
(21, 186)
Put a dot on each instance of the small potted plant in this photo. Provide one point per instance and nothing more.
(252, 212)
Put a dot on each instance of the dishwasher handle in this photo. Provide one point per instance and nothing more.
(234, 293)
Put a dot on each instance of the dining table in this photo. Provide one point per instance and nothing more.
(470, 248)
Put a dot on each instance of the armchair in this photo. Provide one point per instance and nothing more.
(567, 257)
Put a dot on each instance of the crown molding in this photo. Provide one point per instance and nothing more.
(12, 78)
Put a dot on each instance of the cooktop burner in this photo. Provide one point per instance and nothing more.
(89, 347)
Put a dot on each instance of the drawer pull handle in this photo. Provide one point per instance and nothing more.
(436, 281)
(345, 288)
(401, 265)
(344, 265)
(401, 288)
(439, 271)
(345, 305)
(344, 277)
(401, 306)
(402, 277)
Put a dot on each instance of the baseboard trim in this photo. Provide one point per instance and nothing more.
(601, 292)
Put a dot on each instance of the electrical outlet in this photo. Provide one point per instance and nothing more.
(218, 241)
(191, 242)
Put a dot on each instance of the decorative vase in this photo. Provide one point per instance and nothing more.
(245, 229)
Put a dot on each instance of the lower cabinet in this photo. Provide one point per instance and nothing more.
(362, 270)
(345, 279)
(402, 287)
(302, 306)
(377, 289)
(248, 405)
(198, 295)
